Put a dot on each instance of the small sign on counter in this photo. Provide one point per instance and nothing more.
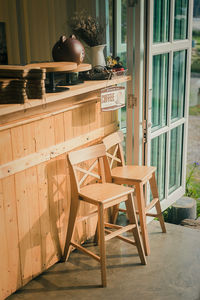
(112, 98)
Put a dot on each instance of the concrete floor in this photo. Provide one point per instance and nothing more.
(193, 146)
(172, 272)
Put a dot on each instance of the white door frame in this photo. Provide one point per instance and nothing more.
(160, 48)
(135, 64)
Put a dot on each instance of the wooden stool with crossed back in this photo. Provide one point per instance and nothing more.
(137, 176)
(102, 194)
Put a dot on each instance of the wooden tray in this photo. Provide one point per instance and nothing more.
(55, 66)
(82, 68)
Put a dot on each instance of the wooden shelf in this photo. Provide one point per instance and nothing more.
(86, 87)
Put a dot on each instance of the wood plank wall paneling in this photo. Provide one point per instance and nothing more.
(62, 182)
(5, 289)
(40, 22)
(37, 14)
(9, 229)
(5, 147)
(47, 244)
(22, 201)
(35, 202)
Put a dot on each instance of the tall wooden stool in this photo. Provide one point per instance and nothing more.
(136, 176)
(102, 194)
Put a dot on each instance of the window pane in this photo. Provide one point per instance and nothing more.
(159, 91)
(178, 84)
(180, 19)
(175, 166)
(158, 159)
(110, 22)
(161, 21)
(123, 21)
(121, 52)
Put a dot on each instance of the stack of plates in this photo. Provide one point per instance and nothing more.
(19, 83)
(35, 89)
(35, 86)
(12, 90)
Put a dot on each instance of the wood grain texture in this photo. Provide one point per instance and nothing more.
(12, 234)
(84, 88)
(5, 289)
(5, 147)
(35, 199)
(55, 66)
(46, 154)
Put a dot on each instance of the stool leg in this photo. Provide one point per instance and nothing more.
(142, 216)
(130, 207)
(154, 190)
(102, 244)
(71, 224)
(115, 213)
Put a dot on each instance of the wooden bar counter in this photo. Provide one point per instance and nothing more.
(34, 176)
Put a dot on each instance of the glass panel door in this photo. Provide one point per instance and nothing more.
(178, 84)
(166, 111)
(161, 21)
(180, 19)
(159, 91)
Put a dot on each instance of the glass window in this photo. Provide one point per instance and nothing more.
(158, 159)
(123, 21)
(175, 167)
(178, 84)
(180, 19)
(120, 45)
(110, 24)
(161, 21)
(159, 91)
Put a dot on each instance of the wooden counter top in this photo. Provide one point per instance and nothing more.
(87, 86)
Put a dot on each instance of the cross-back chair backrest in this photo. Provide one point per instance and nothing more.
(96, 154)
(113, 141)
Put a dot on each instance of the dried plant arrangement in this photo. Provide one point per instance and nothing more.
(87, 28)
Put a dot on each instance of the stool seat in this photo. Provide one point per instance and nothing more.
(133, 173)
(104, 192)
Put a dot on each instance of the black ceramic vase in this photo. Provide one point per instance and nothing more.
(68, 49)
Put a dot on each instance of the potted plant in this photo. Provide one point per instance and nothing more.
(89, 30)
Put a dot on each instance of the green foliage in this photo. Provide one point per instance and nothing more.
(198, 208)
(196, 33)
(167, 215)
(195, 110)
(195, 67)
(192, 188)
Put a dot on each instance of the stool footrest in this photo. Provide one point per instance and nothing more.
(151, 204)
(111, 225)
(86, 251)
(153, 215)
(122, 210)
(91, 214)
(117, 232)
(122, 238)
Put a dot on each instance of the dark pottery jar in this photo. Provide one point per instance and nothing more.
(68, 49)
